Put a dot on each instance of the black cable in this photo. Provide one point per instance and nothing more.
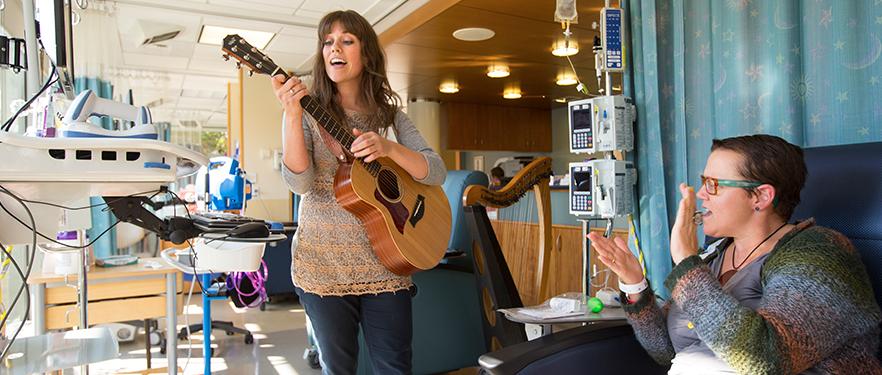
(192, 249)
(4, 190)
(49, 82)
(93, 205)
(26, 275)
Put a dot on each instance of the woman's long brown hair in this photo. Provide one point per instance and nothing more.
(376, 93)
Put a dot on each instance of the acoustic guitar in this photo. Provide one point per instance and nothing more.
(408, 223)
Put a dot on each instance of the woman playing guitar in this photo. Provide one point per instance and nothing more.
(340, 280)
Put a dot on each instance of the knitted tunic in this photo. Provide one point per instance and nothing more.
(818, 310)
(331, 253)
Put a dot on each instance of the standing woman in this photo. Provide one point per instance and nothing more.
(341, 283)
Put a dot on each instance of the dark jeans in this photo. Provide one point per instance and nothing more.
(386, 321)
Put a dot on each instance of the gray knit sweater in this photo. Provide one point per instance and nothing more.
(817, 311)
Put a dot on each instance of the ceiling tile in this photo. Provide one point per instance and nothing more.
(293, 44)
(156, 62)
(260, 6)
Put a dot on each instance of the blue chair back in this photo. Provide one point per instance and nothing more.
(844, 192)
(461, 237)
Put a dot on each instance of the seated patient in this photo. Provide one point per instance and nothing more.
(770, 297)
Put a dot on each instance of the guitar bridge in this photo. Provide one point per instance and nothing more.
(419, 208)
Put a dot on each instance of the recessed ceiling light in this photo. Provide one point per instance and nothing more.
(565, 47)
(215, 35)
(498, 71)
(566, 78)
(514, 93)
(449, 87)
(473, 34)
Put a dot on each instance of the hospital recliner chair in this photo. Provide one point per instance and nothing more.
(447, 332)
(843, 192)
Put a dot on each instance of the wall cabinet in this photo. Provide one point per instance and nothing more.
(497, 128)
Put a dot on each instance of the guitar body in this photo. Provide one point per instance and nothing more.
(408, 223)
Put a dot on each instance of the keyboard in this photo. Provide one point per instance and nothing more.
(214, 221)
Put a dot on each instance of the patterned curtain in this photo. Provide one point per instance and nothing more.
(806, 71)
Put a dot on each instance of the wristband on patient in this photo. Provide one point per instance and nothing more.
(633, 288)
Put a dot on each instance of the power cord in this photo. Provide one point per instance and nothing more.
(49, 82)
(24, 275)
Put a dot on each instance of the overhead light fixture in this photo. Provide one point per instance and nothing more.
(473, 34)
(449, 87)
(561, 100)
(497, 70)
(565, 47)
(512, 92)
(215, 35)
(566, 78)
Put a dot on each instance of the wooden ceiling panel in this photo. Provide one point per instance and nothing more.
(525, 30)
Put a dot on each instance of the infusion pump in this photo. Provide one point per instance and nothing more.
(602, 124)
(602, 188)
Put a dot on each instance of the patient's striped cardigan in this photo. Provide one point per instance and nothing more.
(817, 310)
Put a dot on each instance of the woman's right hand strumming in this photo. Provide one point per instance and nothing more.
(289, 94)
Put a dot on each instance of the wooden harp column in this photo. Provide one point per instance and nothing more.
(517, 273)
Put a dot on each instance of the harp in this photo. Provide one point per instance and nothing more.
(511, 254)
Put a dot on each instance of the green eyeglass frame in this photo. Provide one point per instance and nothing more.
(711, 184)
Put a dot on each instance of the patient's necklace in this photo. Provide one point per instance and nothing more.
(724, 278)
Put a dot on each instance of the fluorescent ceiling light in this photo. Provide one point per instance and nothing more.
(215, 35)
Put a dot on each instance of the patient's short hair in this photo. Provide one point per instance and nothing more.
(770, 160)
(497, 172)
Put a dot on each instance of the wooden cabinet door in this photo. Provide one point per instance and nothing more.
(566, 260)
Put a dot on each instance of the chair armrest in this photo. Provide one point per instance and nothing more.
(600, 348)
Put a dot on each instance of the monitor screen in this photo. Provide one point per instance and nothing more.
(582, 118)
(581, 179)
(55, 30)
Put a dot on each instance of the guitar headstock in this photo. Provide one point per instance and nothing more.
(245, 54)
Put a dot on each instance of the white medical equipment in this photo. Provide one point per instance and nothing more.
(611, 28)
(602, 188)
(601, 124)
(87, 104)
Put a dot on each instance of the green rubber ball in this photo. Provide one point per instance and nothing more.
(595, 305)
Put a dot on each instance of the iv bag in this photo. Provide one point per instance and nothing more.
(566, 11)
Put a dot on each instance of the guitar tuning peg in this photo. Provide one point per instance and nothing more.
(234, 49)
(226, 57)
(258, 65)
(238, 65)
(250, 73)
(253, 49)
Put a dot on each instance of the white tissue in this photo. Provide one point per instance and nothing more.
(564, 305)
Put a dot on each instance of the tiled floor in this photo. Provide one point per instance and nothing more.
(279, 342)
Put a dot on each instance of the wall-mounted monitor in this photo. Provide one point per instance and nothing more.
(55, 31)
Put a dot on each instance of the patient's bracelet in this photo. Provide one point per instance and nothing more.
(633, 288)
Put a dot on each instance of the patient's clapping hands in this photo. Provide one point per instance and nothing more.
(614, 253)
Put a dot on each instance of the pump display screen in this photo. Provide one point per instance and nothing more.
(582, 118)
(582, 179)
(581, 200)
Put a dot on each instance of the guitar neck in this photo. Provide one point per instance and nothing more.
(325, 120)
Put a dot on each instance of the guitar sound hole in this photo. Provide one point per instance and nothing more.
(387, 181)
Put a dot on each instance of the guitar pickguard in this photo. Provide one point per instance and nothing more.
(397, 211)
